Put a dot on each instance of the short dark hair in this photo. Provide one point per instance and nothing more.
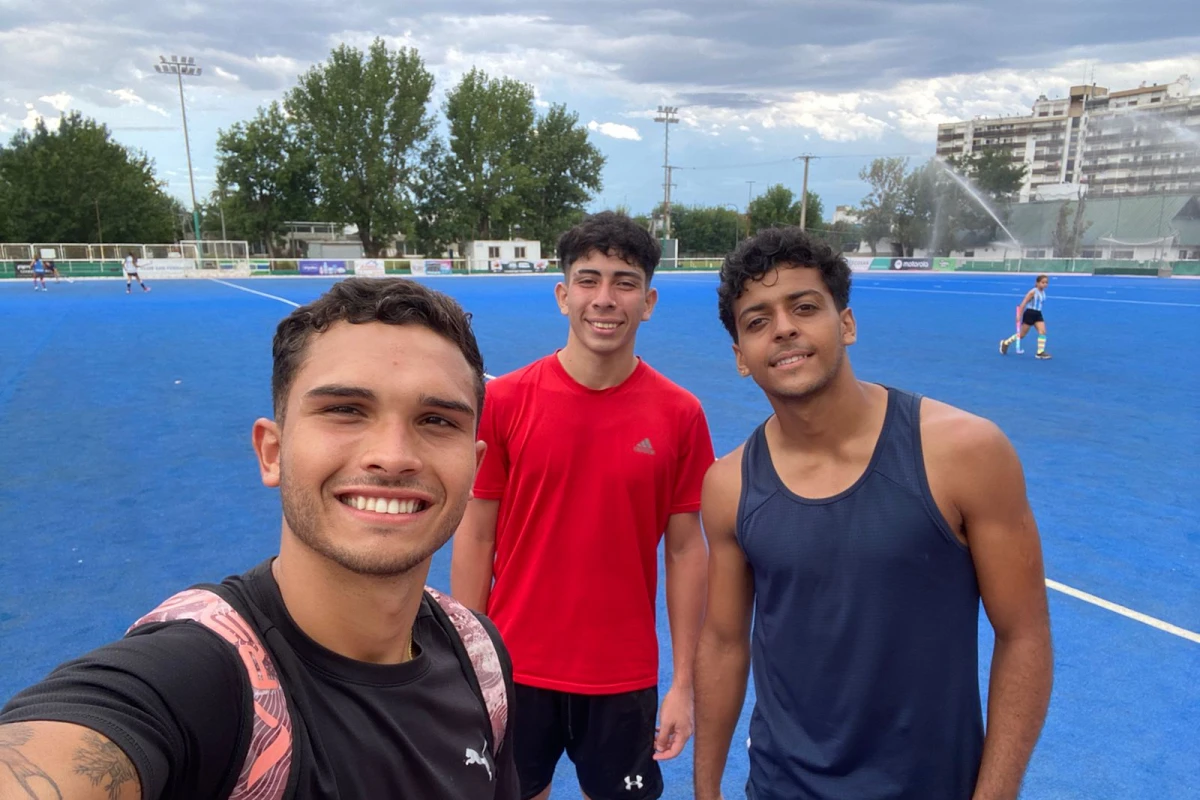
(395, 301)
(775, 247)
(611, 234)
(1042, 277)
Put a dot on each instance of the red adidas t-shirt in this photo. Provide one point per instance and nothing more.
(586, 480)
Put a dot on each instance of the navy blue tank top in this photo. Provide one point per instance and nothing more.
(865, 639)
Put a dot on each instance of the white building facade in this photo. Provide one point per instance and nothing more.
(1136, 141)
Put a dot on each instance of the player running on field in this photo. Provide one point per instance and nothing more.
(1031, 317)
(130, 267)
(39, 274)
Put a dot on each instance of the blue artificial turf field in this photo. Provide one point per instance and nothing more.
(128, 474)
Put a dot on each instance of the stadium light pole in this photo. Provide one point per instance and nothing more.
(668, 115)
(180, 66)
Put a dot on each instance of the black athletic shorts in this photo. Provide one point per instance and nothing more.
(609, 738)
(1031, 317)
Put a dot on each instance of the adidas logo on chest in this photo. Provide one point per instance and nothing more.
(644, 447)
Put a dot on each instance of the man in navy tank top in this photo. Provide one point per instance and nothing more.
(852, 537)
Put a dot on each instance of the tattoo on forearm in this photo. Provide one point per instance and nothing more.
(104, 764)
(30, 779)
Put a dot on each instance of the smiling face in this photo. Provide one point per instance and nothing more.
(377, 454)
(605, 299)
(791, 337)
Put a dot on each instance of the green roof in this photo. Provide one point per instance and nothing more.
(1140, 219)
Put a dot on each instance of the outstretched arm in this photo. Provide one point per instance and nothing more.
(61, 761)
(723, 654)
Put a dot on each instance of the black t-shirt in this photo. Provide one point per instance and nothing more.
(175, 697)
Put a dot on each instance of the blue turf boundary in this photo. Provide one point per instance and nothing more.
(120, 485)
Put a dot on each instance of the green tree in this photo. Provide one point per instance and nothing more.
(879, 209)
(997, 181)
(270, 178)
(995, 174)
(704, 230)
(779, 206)
(507, 170)
(365, 120)
(438, 223)
(489, 163)
(842, 235)
(1068, 232)
(6, 220)
(915, 212)
(566, 174)
(76, 183)
(814, 214)
(773, 208)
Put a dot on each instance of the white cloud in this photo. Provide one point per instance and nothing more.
(615, 130)
(131, 98)
(60, 102)
(914, 108)
(32, 116)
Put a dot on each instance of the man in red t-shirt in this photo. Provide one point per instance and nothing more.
(592, 456)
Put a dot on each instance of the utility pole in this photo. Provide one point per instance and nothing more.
(804, 194)
(667, 115)
(749, 200)
(180, 66)
(224, 236)
(99, 227)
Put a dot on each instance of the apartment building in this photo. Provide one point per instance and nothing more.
(1136, 141)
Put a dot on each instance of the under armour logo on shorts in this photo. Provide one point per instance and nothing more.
(633, 783)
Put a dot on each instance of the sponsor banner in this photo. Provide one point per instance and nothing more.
(369, 267)
(165, 266)
(322, 266)
(260, 266)
(432, 266)
(945, 264)
(858, 263)
(24, 269)
(912, 263)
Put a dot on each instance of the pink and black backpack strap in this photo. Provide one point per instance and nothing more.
(264, 774)
(485, 661)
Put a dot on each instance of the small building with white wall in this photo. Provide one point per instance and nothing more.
(503, 255)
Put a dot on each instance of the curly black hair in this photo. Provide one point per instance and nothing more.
(612, 234)
(774, 247)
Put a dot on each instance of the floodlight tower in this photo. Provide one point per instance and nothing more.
(668, 115)
(180, 66)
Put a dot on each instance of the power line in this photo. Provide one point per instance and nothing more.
(794, 159)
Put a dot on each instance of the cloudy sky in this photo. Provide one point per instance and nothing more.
(758, 82)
